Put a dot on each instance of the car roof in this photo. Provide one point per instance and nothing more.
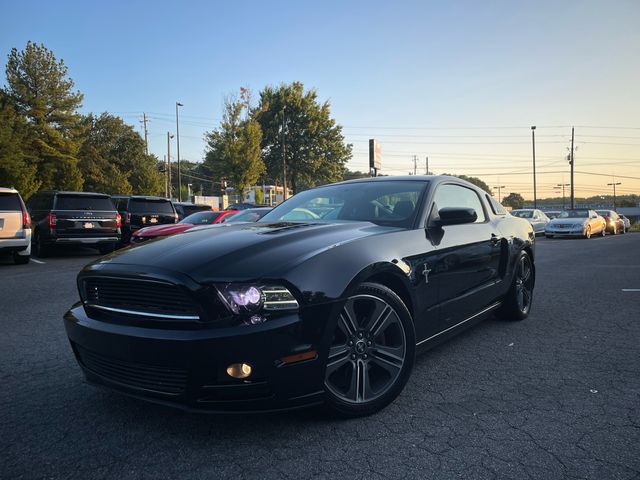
(141, 197)
(412, 178)
(66, 192)
(8, 190)
(189, 204)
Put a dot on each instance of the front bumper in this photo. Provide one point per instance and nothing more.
(187, 368)
(86, 240)
(565, 233)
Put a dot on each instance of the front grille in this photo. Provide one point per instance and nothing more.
(148, 377)
(140, 297)
(566, 225)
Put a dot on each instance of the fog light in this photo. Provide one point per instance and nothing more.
(257, 319)
(239, 370)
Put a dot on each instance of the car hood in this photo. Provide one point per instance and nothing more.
(568, 221)
(161, 230)
(243, 252)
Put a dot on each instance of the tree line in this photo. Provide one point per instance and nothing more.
(46, 143)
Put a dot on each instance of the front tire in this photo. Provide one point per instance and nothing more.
(371, 353)
(587, 233)
(517, 303)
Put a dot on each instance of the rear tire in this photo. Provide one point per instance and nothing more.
(21, 259)
(39, 248)
(604, 231)
(517, 303)
(371, 353)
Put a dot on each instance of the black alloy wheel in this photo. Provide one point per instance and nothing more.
(517, 303)
(371, 354)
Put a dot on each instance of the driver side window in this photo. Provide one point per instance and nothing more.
(451, 195)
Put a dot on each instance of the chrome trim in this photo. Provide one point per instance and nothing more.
(143, 314)
(86, 240)
(489, 308)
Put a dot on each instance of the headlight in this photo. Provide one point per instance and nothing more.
(248, 299)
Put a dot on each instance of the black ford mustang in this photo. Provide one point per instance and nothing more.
(326, 299)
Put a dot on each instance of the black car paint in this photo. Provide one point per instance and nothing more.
(449, 277)
(71, 224)
(133, 220)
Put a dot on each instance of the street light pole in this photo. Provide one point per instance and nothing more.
(284, 155)
(178, 104)
(562, 185)
(614, 192)
(169, 137)
(427, 166)
(533, 144)
(571, 161)
(499, 187)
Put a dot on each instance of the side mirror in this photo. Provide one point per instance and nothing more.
(455, 216)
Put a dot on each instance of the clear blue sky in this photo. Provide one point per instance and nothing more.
(386, 67)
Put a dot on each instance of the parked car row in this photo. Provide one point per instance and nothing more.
(97, 220)
(579, 222)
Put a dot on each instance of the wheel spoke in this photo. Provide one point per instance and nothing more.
(338, 357)
(520, 297)
(382, 321)
(346, 324)
(527, 297)
(389, 358)
(527, 273)
(350, 318)
(358, 384)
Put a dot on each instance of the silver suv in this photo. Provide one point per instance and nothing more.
(15, 226)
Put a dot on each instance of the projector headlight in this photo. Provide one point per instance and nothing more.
(248, 299)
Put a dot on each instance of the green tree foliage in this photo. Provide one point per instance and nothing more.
(43, 94)
(315, 149)
(513, 200)
(112, 159)
(15, 169)
(475, 180)
(233, 150)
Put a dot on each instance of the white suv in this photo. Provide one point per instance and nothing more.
(15, 226)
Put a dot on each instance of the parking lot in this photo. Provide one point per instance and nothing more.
(555, 396)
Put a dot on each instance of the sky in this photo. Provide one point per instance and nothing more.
(461, 82)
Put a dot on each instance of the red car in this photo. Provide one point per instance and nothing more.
(195, 219)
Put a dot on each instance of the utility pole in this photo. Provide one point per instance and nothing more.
(571, 161)
(499, 187)
(533, 144)
(558, 187)
(146, 133)
(427, 165)
(164, 161)
(614, 191)
(415, 164)
(169, 137)
(284, 155)
(178, 104)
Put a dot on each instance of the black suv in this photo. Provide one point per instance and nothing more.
(139, 212)
(185, 209)
(73, 218)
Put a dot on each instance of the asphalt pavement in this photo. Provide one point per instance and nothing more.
(555, 396)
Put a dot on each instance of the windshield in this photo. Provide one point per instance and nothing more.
(248, 216)
(83, 202)
(604, 213)
(392, 203)
(150, 206)
(522, 213)
(574, 214)
(201, 218)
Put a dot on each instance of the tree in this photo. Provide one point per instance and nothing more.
(315, 149)
(475, 180)
(233, 150)
(513, 200)
(351, 175)
(43, 94)
(113, 159)
(15, 170)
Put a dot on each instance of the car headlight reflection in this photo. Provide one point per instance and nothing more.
(250, 299)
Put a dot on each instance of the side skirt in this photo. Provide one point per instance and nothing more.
(439, 337)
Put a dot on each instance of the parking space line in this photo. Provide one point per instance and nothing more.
(38, 261)
(631, 289)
